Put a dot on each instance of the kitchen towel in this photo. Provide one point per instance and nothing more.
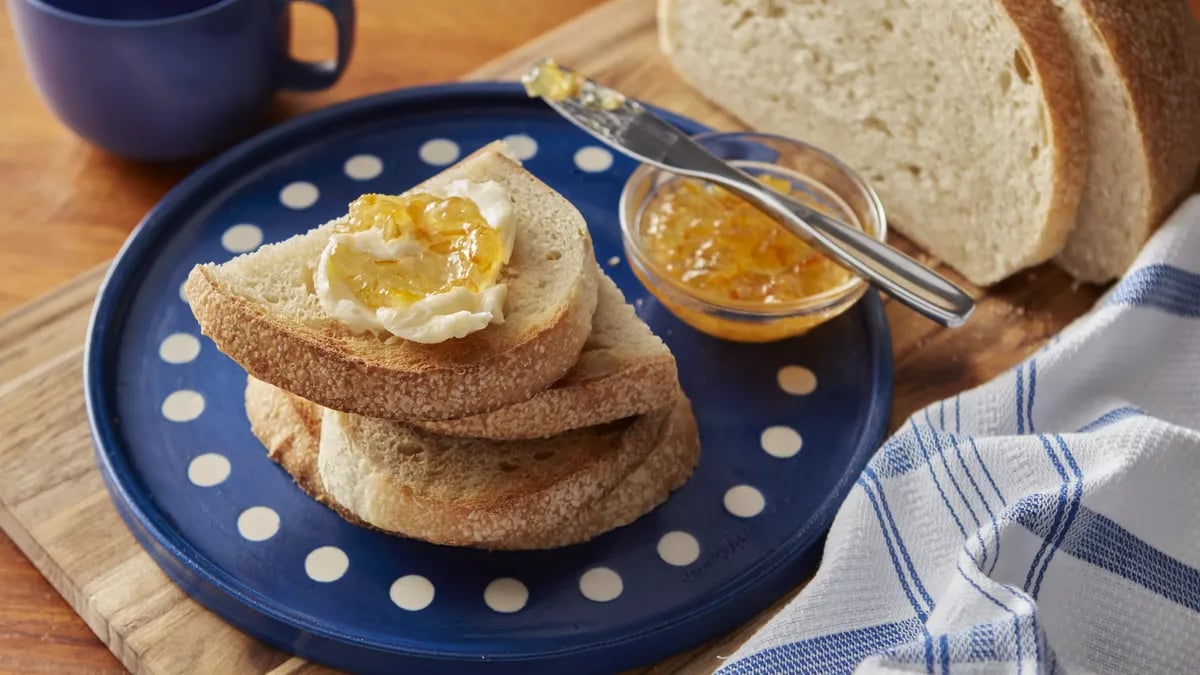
(1048, 521)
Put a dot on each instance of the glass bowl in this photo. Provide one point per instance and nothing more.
(820, 176)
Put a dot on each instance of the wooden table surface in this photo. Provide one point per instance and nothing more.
(69, 206)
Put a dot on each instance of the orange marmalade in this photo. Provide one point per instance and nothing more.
(725, 250)
(430, 245)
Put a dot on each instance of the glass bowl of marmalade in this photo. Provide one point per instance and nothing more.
(729, 270)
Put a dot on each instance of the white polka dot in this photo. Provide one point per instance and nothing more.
(182, 294)
(179, 348)
(506, 595)
(208, 469)
(522, 146)
(439, 151)
(258, 523)
(242, 238)
(678, 548)
(614, 261)
(600, 584)
(797, 380)
(744, 501)
(363, 167)
(412, 592)
(184, 405)
(326, 564)
(781, 441)
(593, 159)
(299, 195)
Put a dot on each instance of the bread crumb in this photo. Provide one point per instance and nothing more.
(614, 261)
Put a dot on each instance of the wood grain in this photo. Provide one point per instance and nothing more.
(50, 498)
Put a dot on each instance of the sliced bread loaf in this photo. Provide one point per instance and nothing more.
(624, 370)
(1139, 70)
(290, 427)
(966, 120)
(261, 310)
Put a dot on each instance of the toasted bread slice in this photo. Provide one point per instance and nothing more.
(491, 494)
(260, 309)
(460, 492)
(624, 370)
(290, 428)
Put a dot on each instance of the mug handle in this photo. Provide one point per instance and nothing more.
(311, 76)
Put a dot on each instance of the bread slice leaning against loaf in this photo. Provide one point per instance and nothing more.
(965, 119)
(624, 370)
(261, 310)
(1139, 70)
(514, 495)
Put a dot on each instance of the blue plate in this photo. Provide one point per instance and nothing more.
(785, 429)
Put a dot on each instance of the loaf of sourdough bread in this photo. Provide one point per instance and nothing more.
(966, 119)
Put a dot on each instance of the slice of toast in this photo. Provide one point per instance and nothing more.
(261, 310)
(624, 370)
(496, 495)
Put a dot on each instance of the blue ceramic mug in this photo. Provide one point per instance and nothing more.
(167, 79)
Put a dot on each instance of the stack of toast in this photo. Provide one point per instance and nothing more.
(562, 422)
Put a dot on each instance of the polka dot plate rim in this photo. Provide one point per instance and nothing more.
(231, 529)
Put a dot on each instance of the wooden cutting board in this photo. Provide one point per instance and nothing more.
(54, 506)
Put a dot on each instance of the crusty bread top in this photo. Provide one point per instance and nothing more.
(1139, 69)
(290, 428)
(624, 370)
(471, 492)
(260, 309)
(967, 122)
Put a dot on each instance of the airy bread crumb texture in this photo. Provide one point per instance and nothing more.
(966, 121)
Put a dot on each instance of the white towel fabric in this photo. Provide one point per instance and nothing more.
(1048, 521)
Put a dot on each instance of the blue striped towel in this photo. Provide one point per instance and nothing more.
(1048, 521)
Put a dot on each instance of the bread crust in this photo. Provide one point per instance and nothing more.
(634, 390)
(609, 382)
(401, 481)
(290, 429)
(1044, 37)
(316, 367)
(1155, 47)
(427, 382)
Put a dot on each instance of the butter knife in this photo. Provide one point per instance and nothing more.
(631, 129)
